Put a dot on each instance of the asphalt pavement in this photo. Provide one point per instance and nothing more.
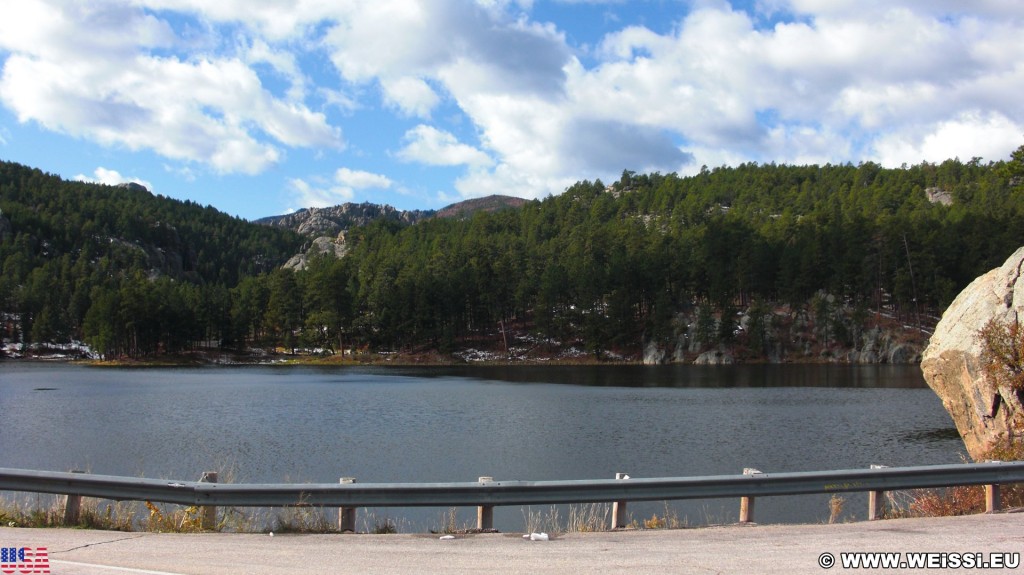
(947, 544)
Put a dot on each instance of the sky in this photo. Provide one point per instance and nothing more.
(263, 107)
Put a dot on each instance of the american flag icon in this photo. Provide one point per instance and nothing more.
(24, 560)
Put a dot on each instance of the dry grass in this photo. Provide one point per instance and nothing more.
(41, 510)
(835, 507)
(948, 501)
(385, 525)
(962, 499)
(581, 518)
(668, 520)
(176, 520)
(303, 519)
(450, 523)
(542, 522)
(589, 517)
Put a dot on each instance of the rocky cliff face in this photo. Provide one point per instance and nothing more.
(323, 245)
(792, 337)
(320, 222)
(327, 226)
(983, 411)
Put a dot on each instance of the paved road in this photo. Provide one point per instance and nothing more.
(732, 549)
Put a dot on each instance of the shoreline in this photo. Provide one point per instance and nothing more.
(396, 359)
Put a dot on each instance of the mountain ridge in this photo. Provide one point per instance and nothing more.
(330, 221)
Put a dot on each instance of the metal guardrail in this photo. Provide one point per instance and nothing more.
(504, 493)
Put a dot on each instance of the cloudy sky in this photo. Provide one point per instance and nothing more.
(261, 107)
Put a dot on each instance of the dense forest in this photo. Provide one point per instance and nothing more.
(610, 267)
(120, 268)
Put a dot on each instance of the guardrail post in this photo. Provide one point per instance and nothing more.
(993, 501)
(209, 520)
(72, 506)
(747, 502)
(876, 500)
(485, 513)
(347, 515)
(619, 507)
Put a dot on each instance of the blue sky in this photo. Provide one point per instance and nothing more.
(262, 107)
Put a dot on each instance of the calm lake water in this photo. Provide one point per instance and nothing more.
(298, 424)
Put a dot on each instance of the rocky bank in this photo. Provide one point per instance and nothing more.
(983, 411)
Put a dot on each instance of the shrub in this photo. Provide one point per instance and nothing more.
(970, 499)
(1002, 354)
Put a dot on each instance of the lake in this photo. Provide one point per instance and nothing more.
(440, 424)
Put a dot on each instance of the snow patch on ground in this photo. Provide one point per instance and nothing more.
(472, 355)
(54, 351)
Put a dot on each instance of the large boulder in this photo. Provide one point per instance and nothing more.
(985, 413)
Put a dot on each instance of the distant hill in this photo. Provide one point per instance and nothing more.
(317, 222)
(125, 270)
(486, 204)
(44, 218)
(320, 222)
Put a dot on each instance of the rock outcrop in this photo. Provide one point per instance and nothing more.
(653, 354)
(789, 337)
(319, 222)
(335, 247)
(715, 357)
(983, 411)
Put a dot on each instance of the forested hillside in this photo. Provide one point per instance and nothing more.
(608, 268)
(119, 267)
(613, 266)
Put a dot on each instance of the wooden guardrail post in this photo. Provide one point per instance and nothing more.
(485, 513)
(993, 500)
(209, 520)
(876, 500)
(72, 506)
(747, 502)
(619, 507)
(347, 515)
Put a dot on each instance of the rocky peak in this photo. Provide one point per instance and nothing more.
(320, 222)
(134, 187)
(983, 411)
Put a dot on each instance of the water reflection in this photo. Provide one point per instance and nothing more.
(692, 376)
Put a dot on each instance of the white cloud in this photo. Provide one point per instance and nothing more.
(320, 192)
(88, 71)
(184, 172)
(429, 145)
(412, 96)
(284, 63)
(233, 88)
(108, 177)
(505, 180)
(966, 136)
(359, 179)
(867, 9)
(308, 195)
(823, 89)
(275, 20)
